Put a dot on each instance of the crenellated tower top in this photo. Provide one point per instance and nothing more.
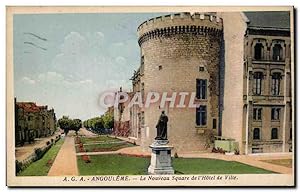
(197, 23)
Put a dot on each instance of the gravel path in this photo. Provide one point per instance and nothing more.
(66, 162)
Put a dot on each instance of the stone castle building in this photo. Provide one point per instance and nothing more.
(33, 121)
(239, 66)
(179, 53)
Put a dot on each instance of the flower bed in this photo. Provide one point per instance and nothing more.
(81, 149)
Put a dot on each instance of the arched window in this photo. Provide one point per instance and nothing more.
(275, 113)
(257, 77)
(257, 113)
(275, 89)
(277, 52)
(274, 133)
(256, 134)
(258, 51)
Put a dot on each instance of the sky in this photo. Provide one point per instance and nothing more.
(66, 61)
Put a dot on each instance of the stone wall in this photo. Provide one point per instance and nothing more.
(232, 119)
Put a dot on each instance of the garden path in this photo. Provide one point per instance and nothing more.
(66, 162)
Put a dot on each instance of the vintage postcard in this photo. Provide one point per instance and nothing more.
(150, 96)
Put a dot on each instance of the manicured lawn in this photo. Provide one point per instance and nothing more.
(282, 162)
(113, 165)
(105, 147)
(125, 165)
(101, 138)
(42, 166)
(213, 166)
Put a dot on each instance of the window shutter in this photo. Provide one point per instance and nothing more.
(198, 88)
(204, 89)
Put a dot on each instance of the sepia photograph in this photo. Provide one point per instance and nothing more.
(150, 96)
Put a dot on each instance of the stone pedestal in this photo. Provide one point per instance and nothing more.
(161, 162)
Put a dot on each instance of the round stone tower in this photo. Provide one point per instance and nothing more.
(181, 53)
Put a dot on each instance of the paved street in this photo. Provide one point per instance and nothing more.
(26, 150)
(65, 163)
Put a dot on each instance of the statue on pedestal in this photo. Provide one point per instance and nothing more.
(161, 161)
(162, 127)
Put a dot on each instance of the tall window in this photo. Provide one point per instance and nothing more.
(274, 133)
(201, 86)
(258, 51)
(214, 123)
(291, 133)
(277, 52)
(256, 134)
(275, 114)
(257, 114)
(201, 115)
(258, 76)
(275, 89)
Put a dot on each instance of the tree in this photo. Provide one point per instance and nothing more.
(108, 121)
(69, 124)
(65, 124)
(85, 124)
(100, 124)
(76, 125)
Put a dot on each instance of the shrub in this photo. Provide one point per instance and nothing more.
(176, 155)
(86, 158)
(218, 150)
(236, 152)
(57, 139)
(18, 167)
(77, 140)
(38, 152)
(49, 163)
(81, 148)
